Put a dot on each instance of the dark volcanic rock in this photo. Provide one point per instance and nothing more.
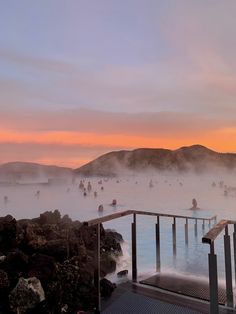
(108, 264)
(26, 295)
(122, 273)
(66, 219)
(50, 217)
(55, 248)
(111, 243)
(60, 254)
(72, 286)
(4, 291)
(15, 264)
(4, 282)
(115, 235)
(7, 233)
(43, 267)
(107, 288)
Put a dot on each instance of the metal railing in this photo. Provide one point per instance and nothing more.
(210, 238)
(98, 221)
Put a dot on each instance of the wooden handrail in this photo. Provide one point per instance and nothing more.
(215, 231)
(172, 216)
(209, 238)
(98, 221)
(95, 221)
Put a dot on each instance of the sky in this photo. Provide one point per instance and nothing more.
(79, 78)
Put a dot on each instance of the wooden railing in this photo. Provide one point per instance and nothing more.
(210, 238)
(98, 221)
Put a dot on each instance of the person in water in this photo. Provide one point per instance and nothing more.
(194, 203)
(100, 208)
(114, 202)
(5, 199)
(89, 187)
(37, 194)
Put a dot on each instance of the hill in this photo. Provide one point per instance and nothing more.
(195, 158)
(17, 171)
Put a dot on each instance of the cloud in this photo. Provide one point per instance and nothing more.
(198, 79)
(110, 123)
(180, 88)
(36, 63)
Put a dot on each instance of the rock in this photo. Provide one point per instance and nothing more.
(108, 264)
(59, 253)
(43, 267)
(117, 236)
(4, 290)
(50, 217)
(15, 265)
(41, 308)
(55, 248)
(7, 233)
(4, 282)
(26, 295)
(110, 244)
(51, 231)
(88, 236)
(66, 219)
(73, 286)
(122, 273)
(64, 309)
(30, 236)
(2, 258)
(107, 287)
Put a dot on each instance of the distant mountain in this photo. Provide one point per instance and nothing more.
(17, 171)
(195, 158)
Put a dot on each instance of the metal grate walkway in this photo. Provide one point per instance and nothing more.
(195, 288)
(132, 303)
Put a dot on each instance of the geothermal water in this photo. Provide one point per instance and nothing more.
(171, 194)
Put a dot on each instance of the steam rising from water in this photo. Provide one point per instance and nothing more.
(168, 193)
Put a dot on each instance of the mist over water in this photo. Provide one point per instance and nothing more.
(169, 193)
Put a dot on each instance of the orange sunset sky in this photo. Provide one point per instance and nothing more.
(81, 78)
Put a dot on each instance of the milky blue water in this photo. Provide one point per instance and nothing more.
(170, 194)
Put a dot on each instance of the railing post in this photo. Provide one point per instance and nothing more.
(203, 225)
(195, 228)
(234, 241)
(158, 253)
(213, 280)
(186, 231)
(174, 236)
(134, 250)
(228, 268)
(97, 271)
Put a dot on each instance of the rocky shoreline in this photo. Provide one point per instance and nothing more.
(47, 264)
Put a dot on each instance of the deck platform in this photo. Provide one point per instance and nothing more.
(131, 303)
(183, 285)
(133, 298)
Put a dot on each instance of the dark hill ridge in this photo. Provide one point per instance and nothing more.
(27, 170)
(194, 158)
